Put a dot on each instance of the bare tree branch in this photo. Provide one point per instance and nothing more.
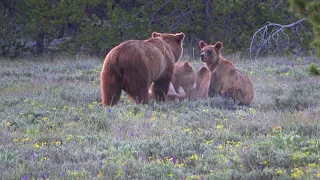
(271, 31)
(276, 6)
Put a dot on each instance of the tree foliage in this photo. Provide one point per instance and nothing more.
(95, 26)
(309, 9)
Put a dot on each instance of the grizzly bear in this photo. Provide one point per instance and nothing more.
(134, 64)
(184, 76)
(225, 78)
(201, 90)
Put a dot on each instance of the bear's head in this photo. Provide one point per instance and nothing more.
(185, 74)
(174, 41)
(210, 53)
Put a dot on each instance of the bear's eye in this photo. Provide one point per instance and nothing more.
(209, 53)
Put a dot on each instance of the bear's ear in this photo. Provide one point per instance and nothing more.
(179, 37)
(186, 64)
(218, 45)
(202, 44)
(155, 34)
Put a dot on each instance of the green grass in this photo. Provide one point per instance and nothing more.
(53, 127)
(314, 70)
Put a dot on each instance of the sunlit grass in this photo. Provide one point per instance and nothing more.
(53, 127)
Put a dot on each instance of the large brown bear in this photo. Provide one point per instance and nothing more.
(225, 78)
(133, 65)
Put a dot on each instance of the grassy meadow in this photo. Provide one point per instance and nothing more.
(52, 126)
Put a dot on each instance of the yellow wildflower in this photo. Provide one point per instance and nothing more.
(219, 126)
(237, 144)
(90, 106)
(279, 171)
(209, 142)
(181, 165)
(58, 143)
(119, 172)
(220, 146)
(264, 162)
(297, 173)
(69, 137)
(187, 130)
(277, 128)
(194, 157)
(252, 111)
(44, 158)
(36, 145)
(26, 139)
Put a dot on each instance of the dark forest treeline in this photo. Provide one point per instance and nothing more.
(93, 27)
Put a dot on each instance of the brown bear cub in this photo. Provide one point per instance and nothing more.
(184, 76)
(201, 90)
(133, 65)
(225, 78)
(195, 85)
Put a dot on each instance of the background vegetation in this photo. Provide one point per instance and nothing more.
(93, 27)
(53, 126)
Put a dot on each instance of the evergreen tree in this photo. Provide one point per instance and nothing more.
(309, 9)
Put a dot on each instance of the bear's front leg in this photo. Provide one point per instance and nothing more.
(160, 88)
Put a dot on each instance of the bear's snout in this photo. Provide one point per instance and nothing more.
(202, 57)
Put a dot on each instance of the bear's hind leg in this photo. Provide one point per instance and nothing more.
(139, 94)
(137, 88)
(110, 89)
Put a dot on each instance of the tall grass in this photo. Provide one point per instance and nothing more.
(53, 126)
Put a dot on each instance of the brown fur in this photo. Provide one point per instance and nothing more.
(197, 85)
(171, 96)
(184, 76)
(133, 65)
(202, 84)
(225, 78)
